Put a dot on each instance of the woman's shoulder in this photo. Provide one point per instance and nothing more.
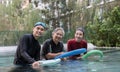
(84, 41)
(71, 40)
(61, 42)
(47, 41)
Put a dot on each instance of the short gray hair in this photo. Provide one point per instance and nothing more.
(57, 29)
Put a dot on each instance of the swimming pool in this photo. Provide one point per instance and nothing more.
(110, 63)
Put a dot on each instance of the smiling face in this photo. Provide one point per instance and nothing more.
(57, 35)
(38, 31)
(78, 35)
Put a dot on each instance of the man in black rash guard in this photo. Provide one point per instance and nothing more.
(28, 50)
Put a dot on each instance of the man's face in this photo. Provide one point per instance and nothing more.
(38, 31)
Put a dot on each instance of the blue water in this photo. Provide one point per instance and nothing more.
(110, 63)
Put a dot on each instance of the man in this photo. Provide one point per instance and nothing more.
(28, 50)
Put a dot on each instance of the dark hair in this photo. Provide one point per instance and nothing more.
(80, 29)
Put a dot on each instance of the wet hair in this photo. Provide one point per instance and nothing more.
(57, 29)
(80, 29)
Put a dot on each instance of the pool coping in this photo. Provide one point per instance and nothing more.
(108, 49)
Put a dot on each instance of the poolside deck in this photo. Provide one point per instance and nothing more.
(108, 49)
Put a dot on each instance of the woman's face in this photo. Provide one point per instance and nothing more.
(78, 35)
(38, 31)
(57, 36)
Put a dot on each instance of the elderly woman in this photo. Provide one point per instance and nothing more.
(53, 47)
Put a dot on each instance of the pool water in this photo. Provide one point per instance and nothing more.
(110, 63)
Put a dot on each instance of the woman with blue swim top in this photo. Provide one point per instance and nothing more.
(53, 47)
(28, 50)
(77, 43)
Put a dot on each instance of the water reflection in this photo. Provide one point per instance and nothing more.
(110, 63)
(74, 66)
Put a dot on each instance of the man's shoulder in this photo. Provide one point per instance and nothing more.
(27, 35)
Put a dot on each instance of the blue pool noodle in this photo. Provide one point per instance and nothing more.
(71, 53)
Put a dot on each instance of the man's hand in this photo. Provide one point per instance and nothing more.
(36, 64)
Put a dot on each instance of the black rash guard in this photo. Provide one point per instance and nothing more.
(28, 50)
(50, 47)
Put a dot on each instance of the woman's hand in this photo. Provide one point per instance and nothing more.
(79, 57)
(63, 59)
(60, 53)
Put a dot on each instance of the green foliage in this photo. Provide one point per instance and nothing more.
(68, 35)
(15, 21)
(18, 18)
(8, 38)
(19, 21)
(107, 32)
